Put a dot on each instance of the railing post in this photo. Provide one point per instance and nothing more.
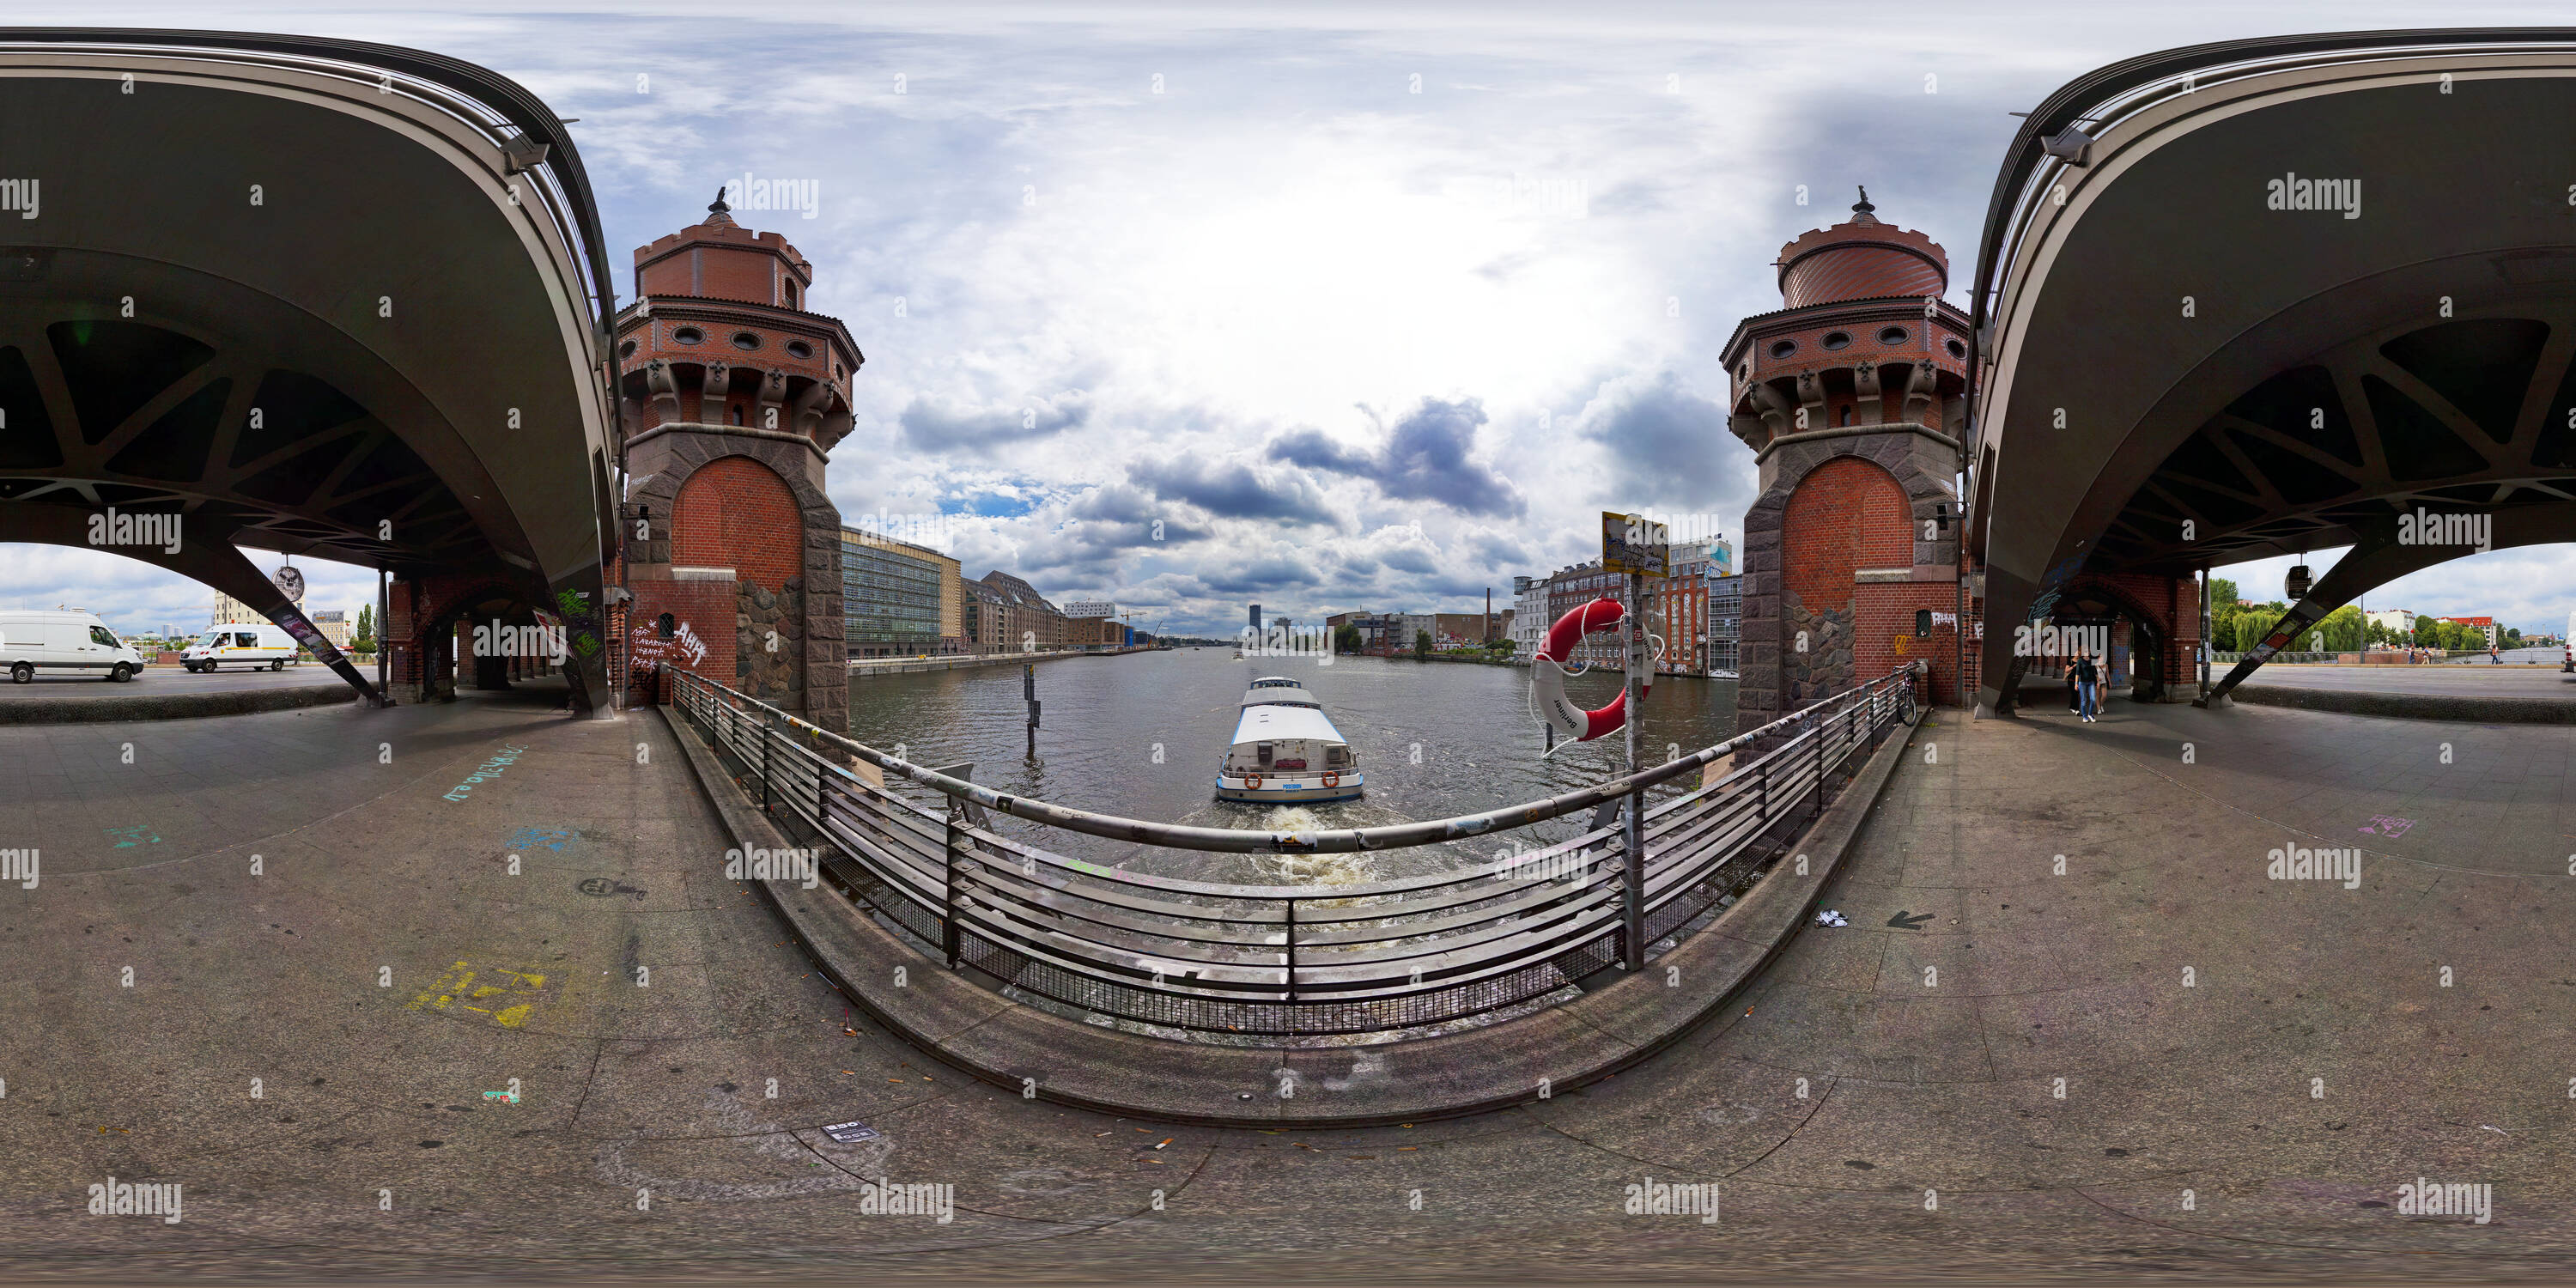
(768, 766)
(1290, 940)
(951, 940)
(1632, 895)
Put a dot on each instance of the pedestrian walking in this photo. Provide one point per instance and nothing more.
(2088, 679)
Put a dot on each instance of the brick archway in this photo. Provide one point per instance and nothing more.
(1846, 519)
(734, 512)
(742, 549)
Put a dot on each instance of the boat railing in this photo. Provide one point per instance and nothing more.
(1293, 960)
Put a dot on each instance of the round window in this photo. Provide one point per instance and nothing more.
(1837, 339)
(626, 350)
(1958, 350)
(1783, 348)
(745, 340)
(1892, 335)
(688, 335)
(799, 349)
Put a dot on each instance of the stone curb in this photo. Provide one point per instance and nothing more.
(2465, 708)
(1022, 1049)
(171, 706)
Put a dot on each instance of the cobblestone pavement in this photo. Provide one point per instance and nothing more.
(323, 901)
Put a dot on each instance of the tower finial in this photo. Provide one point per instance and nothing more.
(719, 207)
(1862, 206)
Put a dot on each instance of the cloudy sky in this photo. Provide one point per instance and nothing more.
(1327, 306)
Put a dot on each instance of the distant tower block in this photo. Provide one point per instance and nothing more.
(733, 397)
(1850, 397)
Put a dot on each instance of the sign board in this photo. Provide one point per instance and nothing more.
(1090, 608)
(1635, 544)
(290, 583)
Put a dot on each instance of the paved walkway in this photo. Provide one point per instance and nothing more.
(2476, 678)
(644, 1004)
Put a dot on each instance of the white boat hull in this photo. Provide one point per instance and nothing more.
(1307, 789)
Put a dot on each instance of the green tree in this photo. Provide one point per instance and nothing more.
(364, 641)
(2341, 628)
(2425, 634)
(1422, 644)
(2222, 595)
(2513, 637)
(1346, 639)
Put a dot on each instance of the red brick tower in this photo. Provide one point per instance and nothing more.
(1850, 397)
(733, 398)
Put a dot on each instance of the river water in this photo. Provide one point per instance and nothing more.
(1140, 735)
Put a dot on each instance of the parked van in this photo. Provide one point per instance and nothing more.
(62, 639)
(2567, 663)
(240, 644)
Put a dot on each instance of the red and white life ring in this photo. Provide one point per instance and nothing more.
(1332, 779)
(1547, 675)
(1251, 782)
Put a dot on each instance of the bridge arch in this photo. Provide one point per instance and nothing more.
(2358, 320)
(225, 310)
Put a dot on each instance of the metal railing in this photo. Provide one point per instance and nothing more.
(1287, 961)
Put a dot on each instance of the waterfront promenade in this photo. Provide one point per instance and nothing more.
(644, 1003)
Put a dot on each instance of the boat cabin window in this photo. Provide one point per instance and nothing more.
(1264, 751)
(1335, 756)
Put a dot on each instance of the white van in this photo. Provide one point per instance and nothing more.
(2568, 662)
(240, 644)
(63, 639)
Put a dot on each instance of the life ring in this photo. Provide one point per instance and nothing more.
(1251, 782)
(1547, 674)
(1332, 779)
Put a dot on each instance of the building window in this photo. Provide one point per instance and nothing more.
(745, 340)
(1783, 348)
(1837, 339)
(1892, 335)
(688, 335)
(1923, 621)
(737, 414)
(1957, 350)
(799, 349)
(791, 295)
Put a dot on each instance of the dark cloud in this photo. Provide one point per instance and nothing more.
(1260, 575)
(1232, 490)
(1499, 551)
(1426, 458)
(1668, 447)
(927, 428)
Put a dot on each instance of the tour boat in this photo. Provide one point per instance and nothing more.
(1286, 750)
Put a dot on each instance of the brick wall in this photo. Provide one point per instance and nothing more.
(736, 512)
(705, 606)
(1847, 514)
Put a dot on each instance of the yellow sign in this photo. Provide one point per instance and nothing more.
(1633, 543)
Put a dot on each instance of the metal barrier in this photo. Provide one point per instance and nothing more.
(1291, 960)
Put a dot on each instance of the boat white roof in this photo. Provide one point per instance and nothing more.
(1280, 697)
(1271, 723)
(1276, 682)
